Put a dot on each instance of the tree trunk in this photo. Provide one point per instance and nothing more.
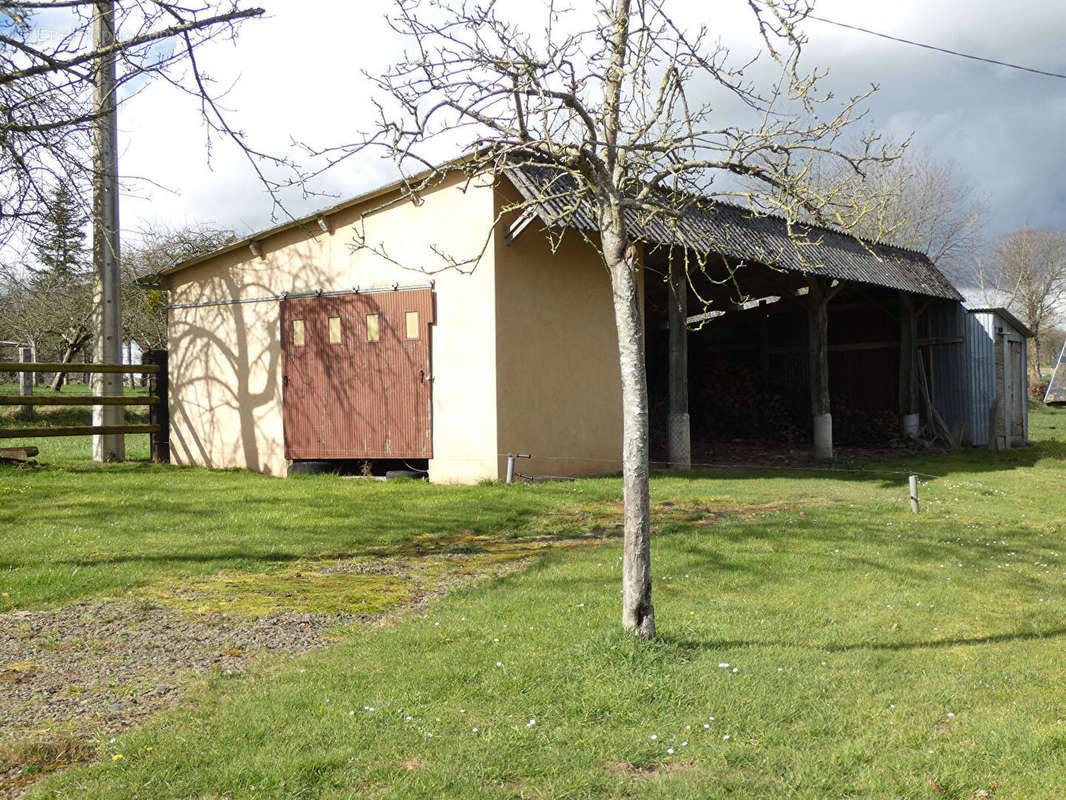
(1034, 363)
(68, 356)
(638, 614)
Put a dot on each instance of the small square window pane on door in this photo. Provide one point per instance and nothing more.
(412, 324)
(298, 339)
(373, 328)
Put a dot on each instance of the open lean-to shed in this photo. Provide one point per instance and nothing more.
(359, 334)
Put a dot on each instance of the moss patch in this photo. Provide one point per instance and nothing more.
(362, 586)
(390, 577)
(259, 594)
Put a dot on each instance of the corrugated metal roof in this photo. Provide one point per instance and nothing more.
(1019, 326)
(713, 226)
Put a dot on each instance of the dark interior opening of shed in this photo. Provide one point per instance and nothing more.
(749, 362)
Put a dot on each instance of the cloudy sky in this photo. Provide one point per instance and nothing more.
(297, 76)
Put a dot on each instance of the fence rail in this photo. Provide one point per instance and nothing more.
(155, 366)
(88, 400)
(66, 366)
(78, 430)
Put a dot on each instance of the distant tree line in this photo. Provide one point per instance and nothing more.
(47, 303)
(923, 204)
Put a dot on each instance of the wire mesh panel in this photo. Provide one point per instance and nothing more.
(356, 375)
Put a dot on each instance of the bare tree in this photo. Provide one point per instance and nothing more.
(1028, 276)
(144, 317)
(52, 295)
(1051, 341)
(913, 201)
(608, 97)
(51, 312)
(47, 63)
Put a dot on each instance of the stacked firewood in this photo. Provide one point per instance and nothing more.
(734, 401)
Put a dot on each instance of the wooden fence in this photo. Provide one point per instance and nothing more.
(154, 365)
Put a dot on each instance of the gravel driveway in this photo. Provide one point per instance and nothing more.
(71, 677)
(92, 670)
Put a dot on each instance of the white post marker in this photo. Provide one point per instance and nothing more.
(26, 382)
(913, 481)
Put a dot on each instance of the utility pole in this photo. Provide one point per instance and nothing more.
(107, 346)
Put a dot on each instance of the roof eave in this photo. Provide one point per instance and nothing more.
(999, 311)
(308, 219)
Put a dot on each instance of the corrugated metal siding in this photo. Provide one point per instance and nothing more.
(736, 232)
(967, 378)
(357, 398)
(981, 344)
(949, 366)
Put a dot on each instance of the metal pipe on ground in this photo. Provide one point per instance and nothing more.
(511, 458)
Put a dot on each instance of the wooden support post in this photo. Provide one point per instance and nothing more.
(764, 346)
(908, 366)
(159, 413)
(678, 421)
(818, 352)
(25, 383)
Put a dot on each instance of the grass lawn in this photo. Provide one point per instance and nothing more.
(817, 639)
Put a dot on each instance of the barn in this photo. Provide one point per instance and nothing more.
(386, 330)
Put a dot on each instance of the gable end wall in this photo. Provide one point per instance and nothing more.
(225, 359)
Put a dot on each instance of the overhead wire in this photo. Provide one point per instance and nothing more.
(945, 50)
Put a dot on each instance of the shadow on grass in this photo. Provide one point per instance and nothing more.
(690, 645)
(180, 558)
(891, 473)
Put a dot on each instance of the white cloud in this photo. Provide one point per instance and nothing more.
(299, 78)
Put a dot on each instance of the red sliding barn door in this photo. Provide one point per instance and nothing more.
(356, 375)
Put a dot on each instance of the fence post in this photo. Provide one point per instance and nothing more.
(159, 413)
(25, 383)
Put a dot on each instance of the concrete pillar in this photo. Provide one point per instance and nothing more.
(911, 425)
(823, 436)
(678, 424)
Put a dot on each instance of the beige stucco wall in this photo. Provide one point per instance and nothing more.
(559, 385)
(225, 360)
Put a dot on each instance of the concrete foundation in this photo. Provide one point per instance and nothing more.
(680, 441)
(823, 436)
